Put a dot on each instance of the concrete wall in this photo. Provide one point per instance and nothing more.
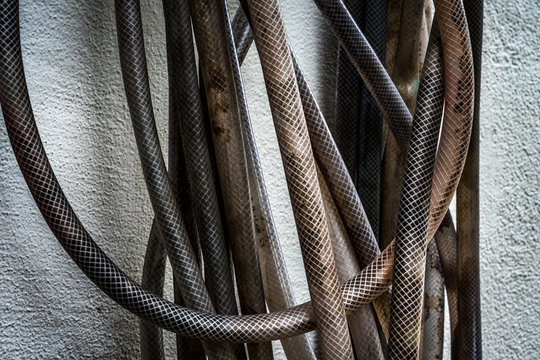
(48, 309)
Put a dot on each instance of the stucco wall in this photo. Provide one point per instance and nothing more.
(48, 309)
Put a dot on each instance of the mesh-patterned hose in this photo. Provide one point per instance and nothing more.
(185, 110)
(335, 172)
(368, 66)
(411, 240)
(348, 99)
(332, 166)
(51, 201)
(153, 279)
(406, 76)
(469, 334)
(362, 323)
(458, 112)
(151, 340)
(184, 77)
(211, 34)
(433, 325)
(459, 97)
(277, 285)
(368, 171)
(184, 73)
(300, 172)
(169, 221)
(329, 160)
(342, 189)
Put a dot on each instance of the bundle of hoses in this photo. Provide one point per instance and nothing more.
(403, 135)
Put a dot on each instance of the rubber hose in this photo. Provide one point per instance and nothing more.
(358, 291)
(411, 240)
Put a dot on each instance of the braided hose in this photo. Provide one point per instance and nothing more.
(199, 169)
(328, 158)
(277, 285)
(170, 224)
(300, 172)
(342, 189)
(406, 75)
(186, 111)
(362, 323)
(412, 232)
(368, 172)
(358, 291)
(336, 175)
(211, 34)
(217, 267)
(369, 67)
(153, 279)
(348, 99)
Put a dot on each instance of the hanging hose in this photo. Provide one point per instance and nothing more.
(277, 285)
(411, 240)
(368, 167)
(299, 165)
(169, 221)
(368, 66)
(362, 323)
(358, 291)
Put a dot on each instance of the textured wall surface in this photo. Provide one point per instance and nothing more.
(48, 309)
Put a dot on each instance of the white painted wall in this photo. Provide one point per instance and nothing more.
(48, 309)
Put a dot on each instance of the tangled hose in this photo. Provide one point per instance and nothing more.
(329, 308)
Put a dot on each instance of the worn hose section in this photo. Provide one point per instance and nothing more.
(469, 332)
(183, 78)
(362, 323)
(459, 97)
(329, 160)
(341, 187)
(406, 75)
(411, 240)
(300, 172)
(333, 168)
(210, 31)
(277, 285)
(151, 341)
(336, 175)
(199, 169)
(433, 324)
(356, 292)
(169, 221)
(183, 85)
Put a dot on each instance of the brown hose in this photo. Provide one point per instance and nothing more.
(362, 323)
(300, 172)
(371, 282)
(433, 325)
(210, 33)
(277, 285)
(412, 231)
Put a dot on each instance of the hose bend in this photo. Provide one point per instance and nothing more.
(372, 281)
